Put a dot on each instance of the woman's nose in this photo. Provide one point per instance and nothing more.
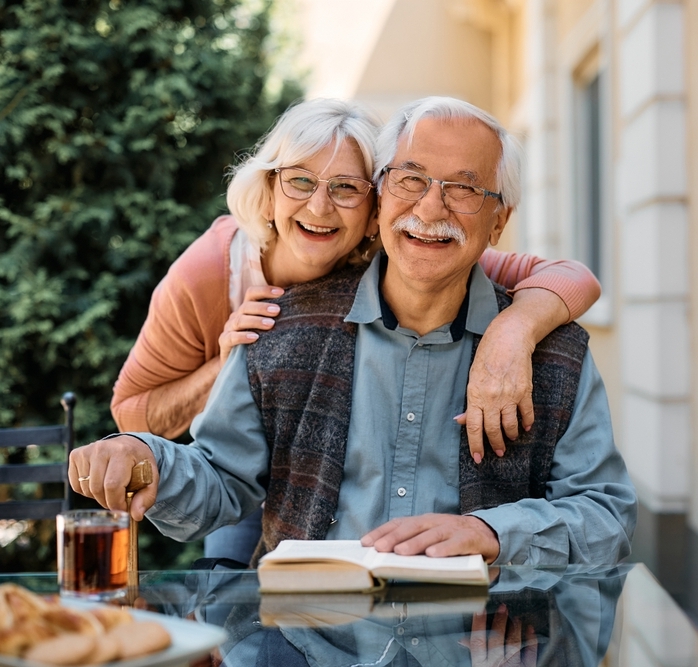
(320, 203)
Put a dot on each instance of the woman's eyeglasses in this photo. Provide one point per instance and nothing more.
(344, 191)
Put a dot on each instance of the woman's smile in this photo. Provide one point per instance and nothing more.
(315, 230)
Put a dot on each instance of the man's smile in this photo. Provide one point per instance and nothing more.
(439, 231)
(426, 239)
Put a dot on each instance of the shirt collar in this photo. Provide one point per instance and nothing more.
(478, 309)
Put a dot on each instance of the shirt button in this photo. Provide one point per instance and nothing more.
(415, 641)
(401, 631)
(410, 416)
(402, 491)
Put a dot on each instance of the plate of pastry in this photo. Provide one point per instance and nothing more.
(36, 632)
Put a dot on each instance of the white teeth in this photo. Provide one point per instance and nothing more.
(438, 231)
(317, 230)
(428, 240)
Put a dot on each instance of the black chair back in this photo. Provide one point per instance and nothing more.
(20, 473)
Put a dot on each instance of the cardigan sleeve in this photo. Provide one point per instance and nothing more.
(187, 313)
(573, 282)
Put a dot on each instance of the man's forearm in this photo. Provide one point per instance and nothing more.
(220, 478)
(172, 406)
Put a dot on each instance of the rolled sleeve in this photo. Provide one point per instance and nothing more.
(590, 509)
(221, 477)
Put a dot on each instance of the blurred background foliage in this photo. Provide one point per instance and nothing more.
(117, 122)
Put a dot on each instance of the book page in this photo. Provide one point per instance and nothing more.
(313, 610)
(349, 551)
(454, 569)
(313, 575)
(453, 563)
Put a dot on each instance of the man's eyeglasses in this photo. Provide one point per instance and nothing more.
(343, 191)
(458, 197)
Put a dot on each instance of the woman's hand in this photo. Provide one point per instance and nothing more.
(500, 385)
(252, 314)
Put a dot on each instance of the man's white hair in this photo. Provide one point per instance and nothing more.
(300, 132)
(404, 123)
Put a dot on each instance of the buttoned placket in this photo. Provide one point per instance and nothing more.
(409, 435)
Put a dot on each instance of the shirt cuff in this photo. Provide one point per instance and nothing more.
(521, 541)
(146, 439)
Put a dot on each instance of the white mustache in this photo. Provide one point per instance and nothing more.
(441, 229)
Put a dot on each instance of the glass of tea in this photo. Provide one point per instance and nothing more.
(92, 553)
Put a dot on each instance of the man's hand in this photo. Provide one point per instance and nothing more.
(102, 470)
(436, 535)
(503, 645)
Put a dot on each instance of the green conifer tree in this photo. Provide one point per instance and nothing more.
(117, 121)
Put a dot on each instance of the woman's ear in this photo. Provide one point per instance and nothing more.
(270, 203)
(268, 208)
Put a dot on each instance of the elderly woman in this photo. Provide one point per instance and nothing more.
(302, 206)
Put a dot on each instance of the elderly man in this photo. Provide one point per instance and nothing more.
(340, 418)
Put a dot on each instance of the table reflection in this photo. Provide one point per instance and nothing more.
(528, 617)
(615, 617)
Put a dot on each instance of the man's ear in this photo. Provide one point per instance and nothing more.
(372, 226)
(502, 217)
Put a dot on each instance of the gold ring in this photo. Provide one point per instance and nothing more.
(83, 479)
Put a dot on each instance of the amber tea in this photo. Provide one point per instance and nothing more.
(93, 553)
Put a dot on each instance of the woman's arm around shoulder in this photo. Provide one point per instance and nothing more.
(546, 294)
(570, 280)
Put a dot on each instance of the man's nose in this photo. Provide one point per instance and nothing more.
(320, 203)
(431, 206)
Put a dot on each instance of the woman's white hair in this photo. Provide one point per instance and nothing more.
(299, 133)
(404, 123)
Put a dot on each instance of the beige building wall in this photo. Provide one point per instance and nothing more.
(391, 51)
(692, 166)
(337, 43)
(651, 205)
(527, 61)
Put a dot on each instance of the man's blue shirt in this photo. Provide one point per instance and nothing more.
(403, 446)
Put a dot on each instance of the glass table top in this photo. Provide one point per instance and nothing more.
(610, 616)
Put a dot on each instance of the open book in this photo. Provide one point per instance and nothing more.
(345, 565)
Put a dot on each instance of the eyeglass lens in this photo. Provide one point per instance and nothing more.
(412, 186)
(343, 191)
